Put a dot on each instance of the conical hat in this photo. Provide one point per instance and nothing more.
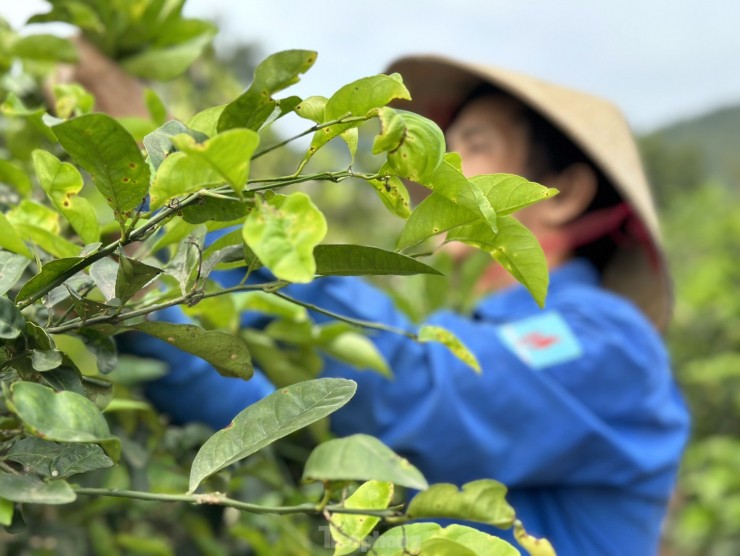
(638, 271)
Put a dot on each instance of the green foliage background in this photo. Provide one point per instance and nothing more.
(693, 166)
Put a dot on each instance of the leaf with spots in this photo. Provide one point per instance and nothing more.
(111, 156)
(392, 192)
(361, 457)
(276, 72)
(279, 414)
(430, 333)
(515, 247)
(415, 145)
(227, 353)
(348, 530)
(62, 182)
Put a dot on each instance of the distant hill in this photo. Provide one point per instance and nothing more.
(713, 139)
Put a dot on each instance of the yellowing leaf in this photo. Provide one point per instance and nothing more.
(533, 545)
(283, 232)
(349, 530)
(62, 182)
(430, 333)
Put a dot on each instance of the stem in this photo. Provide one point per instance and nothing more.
(220, 499)
(135, 235)
(196, 295)
(317, 127)
(356, 322)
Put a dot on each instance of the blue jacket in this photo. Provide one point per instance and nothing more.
(575, 411)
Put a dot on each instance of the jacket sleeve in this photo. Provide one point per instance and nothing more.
(606, 413)
(192, 390)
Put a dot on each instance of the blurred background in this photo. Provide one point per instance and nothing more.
(671, 65)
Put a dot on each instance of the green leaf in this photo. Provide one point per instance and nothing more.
(72, 99)
(533, 545)
(361, 457)
(62, 182)
(283, 232)
(281, 413)
(111, 156)
(12, 175)
(213, 208)
(6, 512)
(364, 95)
(155, 106)
(273, 74)
(71, 11)
(58, 460)
(206, 121)
(45, 48)
(356, 99)
(415, 144)
(61, 416)
(14, 107)
(158, 143)
(515, 247)
(45, 360)
(348, 530)
(449, 182)
(357, 350)
(405, 539)
(32, 490)
(223, 158)
(132, 277)
(312, 108)
(508, 193)
(482, 501)
(359, 260)
(12, 322)
(228, 153)
(227, 353)
(430, 333)
(12, 268)
(478, 542)
(431, 538)
(162, 62)
(10, 240)
(438, 213)
(270, 304)
(41, 225)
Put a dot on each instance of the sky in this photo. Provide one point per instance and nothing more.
(659, 60)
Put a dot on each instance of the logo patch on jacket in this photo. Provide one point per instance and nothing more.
(542, 340)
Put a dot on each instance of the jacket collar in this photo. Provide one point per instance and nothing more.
(516, 302)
